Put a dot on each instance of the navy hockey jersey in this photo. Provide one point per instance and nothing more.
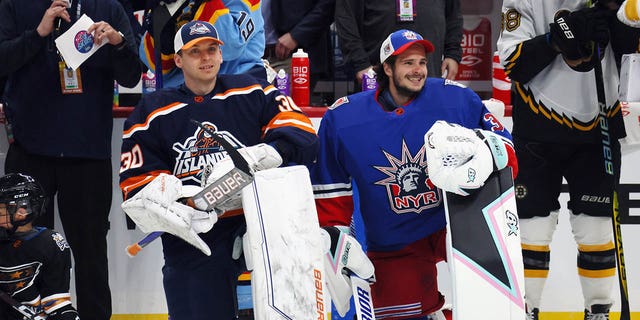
(383, 153)
(35, 269)
(159, 137)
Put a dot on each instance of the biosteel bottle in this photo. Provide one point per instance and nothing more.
(300, 78)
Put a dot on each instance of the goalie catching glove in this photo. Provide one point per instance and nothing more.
(156, 208)
(259, 157)
(344, 257)
(461, 159)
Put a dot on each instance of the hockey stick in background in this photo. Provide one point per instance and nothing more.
(24, 310)
(206, 200)
(609, 169)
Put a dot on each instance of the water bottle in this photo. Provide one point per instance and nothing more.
(148, 82)
(282, 82)
(300, 78)
(369, 80)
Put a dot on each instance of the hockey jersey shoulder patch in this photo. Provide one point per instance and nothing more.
(339, 102)
(59, 241)
(448, 82)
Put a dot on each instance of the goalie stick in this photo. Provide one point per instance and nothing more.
(206, 200)
(24, 310)
(362, 298)
(609, 169)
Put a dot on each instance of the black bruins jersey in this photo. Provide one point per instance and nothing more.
(35, 270)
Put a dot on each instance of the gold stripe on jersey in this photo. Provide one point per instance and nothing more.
(512, 59)
(252, 4)
(539, 108)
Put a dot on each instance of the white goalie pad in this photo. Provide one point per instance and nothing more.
(283, 247)
(484, 252)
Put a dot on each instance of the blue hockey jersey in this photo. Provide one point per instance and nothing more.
(383, 153)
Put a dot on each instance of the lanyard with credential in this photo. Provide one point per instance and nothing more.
(70, 80)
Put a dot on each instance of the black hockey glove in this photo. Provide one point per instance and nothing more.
(569, 34)
(573, 33)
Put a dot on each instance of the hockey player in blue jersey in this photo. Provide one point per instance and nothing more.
(163, 154)
(376, 140)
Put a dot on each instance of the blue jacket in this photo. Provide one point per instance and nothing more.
(44, 121)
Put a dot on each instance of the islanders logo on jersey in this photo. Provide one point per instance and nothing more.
(409, 189)
(199, 150)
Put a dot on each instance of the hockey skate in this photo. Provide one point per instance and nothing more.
(598, 312)
(533, 314)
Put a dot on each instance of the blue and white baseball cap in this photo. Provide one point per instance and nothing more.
(193, 32)
(397, 42)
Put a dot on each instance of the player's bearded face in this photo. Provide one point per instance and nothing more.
(410, 71)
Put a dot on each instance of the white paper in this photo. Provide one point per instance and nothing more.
(76, 45)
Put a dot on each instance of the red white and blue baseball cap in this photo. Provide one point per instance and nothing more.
(397, 42)
(193, 32)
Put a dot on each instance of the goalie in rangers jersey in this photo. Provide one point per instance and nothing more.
(549, 50)
(35, 262)
(164, 154)
(402, 145)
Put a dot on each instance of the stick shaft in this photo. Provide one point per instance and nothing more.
(609, 169)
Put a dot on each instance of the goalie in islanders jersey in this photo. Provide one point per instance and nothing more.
(549, 50)
(35, 262)
(376, 140)
(164, 153)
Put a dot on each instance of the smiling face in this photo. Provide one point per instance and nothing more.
(408, 74)
(200, 64)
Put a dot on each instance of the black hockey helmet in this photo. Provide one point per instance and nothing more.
(21, 191)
